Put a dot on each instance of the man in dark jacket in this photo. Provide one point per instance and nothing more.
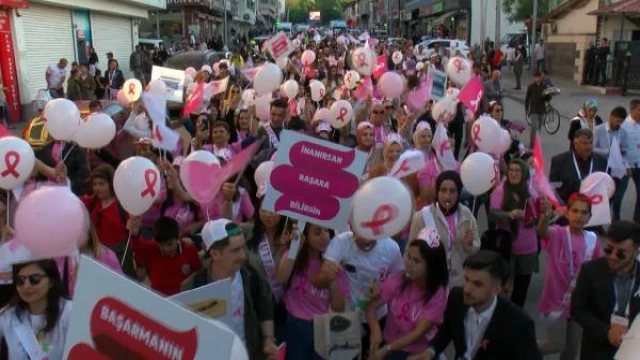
(606, 299)
(535, 105)
(74, 160)
(601, 62)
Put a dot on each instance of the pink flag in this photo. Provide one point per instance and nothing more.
(250, 73)
(194, 101)
(162, 137)
(408, 163)
(219, 86)
(364, 89)
(418, 98)
(540, 180)
(239, 161)
(442, 146)
(381, 67)
(472, 93)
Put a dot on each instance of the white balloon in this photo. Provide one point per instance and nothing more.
(158, 86)
(459, 70)
(376, 215)
(322, 114)
(391, 85)
(419, 66)
(296, 43)
(96, 131)
(267, 79)
(263, 172)
(362, 61)
(317, 90)
(249, 97)
(596, 177)
(503, 144)
(351, 79)
(453, 93)
(132, 89)
(16, 162)
(479, 173)
(397, 57)
(62, 119)
(136, 183)
(190, 71)
(308, 57)
(444, 110)
(290, 89)
(485, 134)
(282, 62)
(340, 114)
(263, 107)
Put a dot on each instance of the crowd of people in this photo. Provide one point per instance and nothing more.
(440, 286)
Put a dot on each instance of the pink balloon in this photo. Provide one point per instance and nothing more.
(50, 221)
(391, 85)
(308, 57)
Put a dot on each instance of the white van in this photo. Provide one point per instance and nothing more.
(151, 44)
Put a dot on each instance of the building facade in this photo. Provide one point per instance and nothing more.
(43, 31)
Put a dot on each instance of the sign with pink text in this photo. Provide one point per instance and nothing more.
(116, 318)
(314, 180)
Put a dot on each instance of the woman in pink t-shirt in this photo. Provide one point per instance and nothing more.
(567, 248)
(509, 202)
(416, 299)
(304, 301)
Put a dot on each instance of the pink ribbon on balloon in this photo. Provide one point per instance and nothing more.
(150, 179)
(382, 216)
(458, 64)
(343, 112)
(496, 173)
(361, 60)
(475, 133)
(11, 161)
(132, 89)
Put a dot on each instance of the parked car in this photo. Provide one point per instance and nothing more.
(194, 59)
(426, 47)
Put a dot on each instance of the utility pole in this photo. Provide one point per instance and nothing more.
(483, 25)
(534, 29)
(496, 41)
(387, 18)
(224, 4)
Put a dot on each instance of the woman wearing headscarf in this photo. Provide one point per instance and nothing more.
(365, 138)
(509, 202)
(454, 221)
(587, 118)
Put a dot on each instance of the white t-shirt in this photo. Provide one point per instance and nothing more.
(362, 267)
(56, 76)
(52, 343)
(539, 50)
(237, 305)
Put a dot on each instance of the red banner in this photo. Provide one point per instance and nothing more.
(8, 71)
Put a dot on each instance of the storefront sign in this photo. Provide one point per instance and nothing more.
(186, 2)
(438, 7)
(8, 66)
(15, 4)
(426, 10)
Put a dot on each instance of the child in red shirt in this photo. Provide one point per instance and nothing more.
(168, 261)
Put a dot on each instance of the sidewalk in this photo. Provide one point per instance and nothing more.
(569, 101)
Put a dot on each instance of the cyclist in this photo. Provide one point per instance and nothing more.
(535, 104)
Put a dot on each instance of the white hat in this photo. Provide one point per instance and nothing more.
(364, 124)
(206, 68)
(213, 231)
(323, 126)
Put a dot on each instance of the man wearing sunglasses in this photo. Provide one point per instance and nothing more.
(606, 299)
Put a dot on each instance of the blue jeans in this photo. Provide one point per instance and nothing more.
(300, 340)
(616, 200)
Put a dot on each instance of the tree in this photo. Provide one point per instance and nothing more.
(521, 10)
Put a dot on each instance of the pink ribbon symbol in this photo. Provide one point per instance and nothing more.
(11, 161)
(382, 274)
(595, 199)
(404, 166)
(342, 114)
(302, 285)
(444, 146)
(237, 312)
(403, 314)
(156, 134)
(348, 77)
(383, 215)
(150, 179)
(475, 133)
(496, 173)
(132, 89)
(458, 64)
(322, 93)
(361, 60)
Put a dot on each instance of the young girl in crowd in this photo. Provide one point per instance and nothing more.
(304, 301)
(567, 248)
(37, 318)
(416, 299)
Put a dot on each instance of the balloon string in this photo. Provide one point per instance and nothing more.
(8, 207)
(68, 153)
(473, 207)
(206, 209)
(124, 256)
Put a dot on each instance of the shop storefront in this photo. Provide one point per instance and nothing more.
(439, 18)
(49, 30)
(182, 18)
(8, 69)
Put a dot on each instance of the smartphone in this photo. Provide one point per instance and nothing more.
(204, 124)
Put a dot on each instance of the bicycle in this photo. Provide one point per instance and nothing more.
(551, 116)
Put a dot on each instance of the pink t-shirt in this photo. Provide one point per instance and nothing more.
(429, 173)
(527, 240)
(407, 307)
(181, 212)
(243, 209)
(558, 279)
(214, 209)
(305, 301)
(153, 214)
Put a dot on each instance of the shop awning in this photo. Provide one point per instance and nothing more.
(14, 4)
(624, 7)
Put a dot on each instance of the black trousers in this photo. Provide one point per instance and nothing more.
(520, 289)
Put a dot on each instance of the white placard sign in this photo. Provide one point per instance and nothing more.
(211, 301)
(174, 79)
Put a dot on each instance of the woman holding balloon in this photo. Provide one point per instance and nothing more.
(454, 222)
(509, 202)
